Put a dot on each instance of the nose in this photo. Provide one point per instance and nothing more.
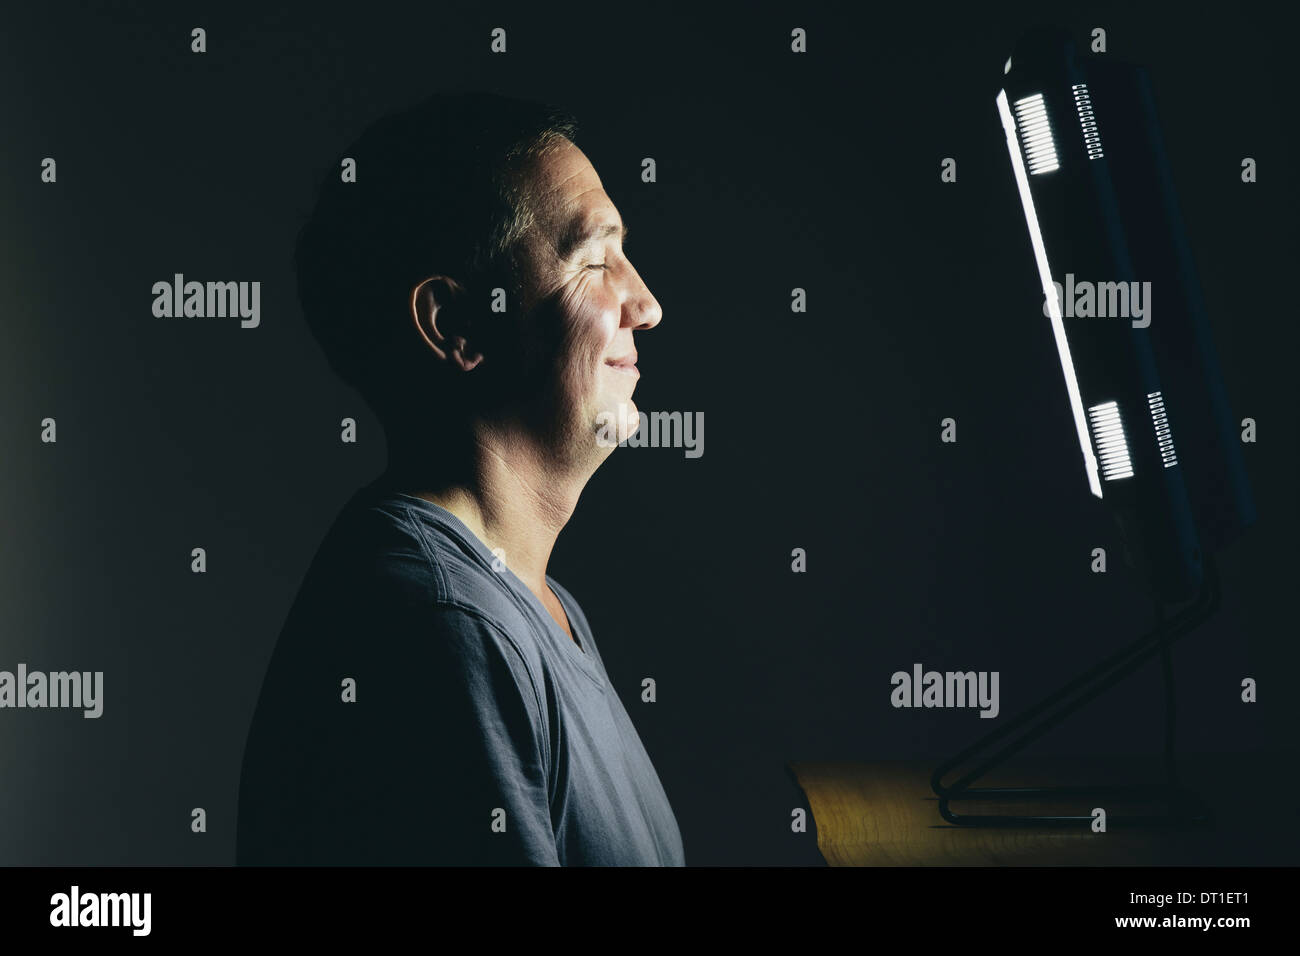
(641, 309)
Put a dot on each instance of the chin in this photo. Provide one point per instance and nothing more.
(633, 427)
(617, 422)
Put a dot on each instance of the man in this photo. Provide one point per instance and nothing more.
(435, 696)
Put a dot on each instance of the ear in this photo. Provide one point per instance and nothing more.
(438, 310)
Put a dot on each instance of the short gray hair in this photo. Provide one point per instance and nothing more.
(441, 187)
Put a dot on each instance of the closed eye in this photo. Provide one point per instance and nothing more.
(598, 265)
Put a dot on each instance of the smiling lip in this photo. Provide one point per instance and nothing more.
(626, 364)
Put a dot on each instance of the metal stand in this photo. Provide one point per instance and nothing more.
(1182, 807)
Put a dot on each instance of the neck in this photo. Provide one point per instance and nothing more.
(506, 488)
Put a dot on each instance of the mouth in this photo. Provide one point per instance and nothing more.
(626, 365)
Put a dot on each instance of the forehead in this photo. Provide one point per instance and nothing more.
(566, 190)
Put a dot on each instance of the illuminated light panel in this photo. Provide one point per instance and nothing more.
(1036, 135)
(1087, 121)
(1112, 446)
(1049, 291)
(1164, 437)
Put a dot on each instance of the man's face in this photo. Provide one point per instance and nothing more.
(582, 301)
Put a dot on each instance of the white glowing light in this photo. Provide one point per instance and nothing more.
(1112, 446)
(1049, 292)
(1164, 437)
(1087, 121)
(1036, 132)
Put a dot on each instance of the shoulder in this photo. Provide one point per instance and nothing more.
(407, 558)
(402, 545)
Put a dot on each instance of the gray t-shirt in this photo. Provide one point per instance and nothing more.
(422, 707)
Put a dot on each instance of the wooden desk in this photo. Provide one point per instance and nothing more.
(885, 814)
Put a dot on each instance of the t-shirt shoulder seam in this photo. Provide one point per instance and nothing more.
(403, 513)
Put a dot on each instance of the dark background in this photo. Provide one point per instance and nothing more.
(822, 429)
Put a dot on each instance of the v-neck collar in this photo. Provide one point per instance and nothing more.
(513, 584)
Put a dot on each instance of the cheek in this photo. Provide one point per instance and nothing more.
(594, 323)
(604, 328)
